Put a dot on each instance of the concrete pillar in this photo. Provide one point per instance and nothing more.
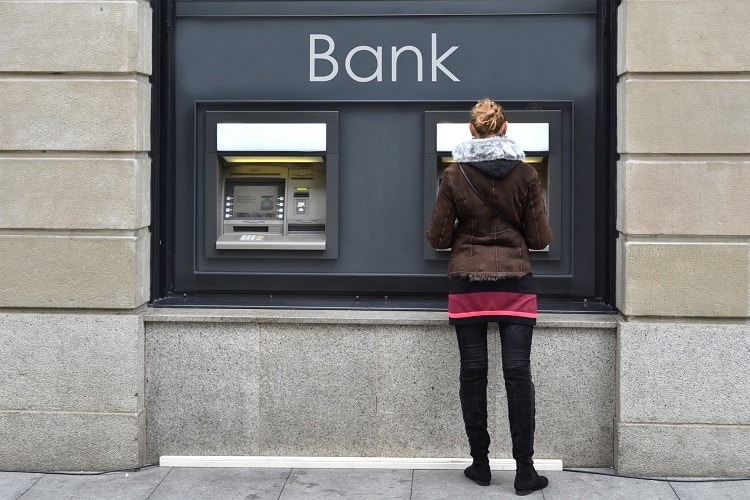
(684, 249)
(74, 238)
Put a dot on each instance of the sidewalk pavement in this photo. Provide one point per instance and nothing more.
(161, 483)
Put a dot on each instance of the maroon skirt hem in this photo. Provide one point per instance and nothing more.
(504, 301)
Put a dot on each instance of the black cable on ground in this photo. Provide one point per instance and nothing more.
(715, 480)
(71, 473)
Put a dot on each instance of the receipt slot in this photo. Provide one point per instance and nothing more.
(538, 134)
(271, 186)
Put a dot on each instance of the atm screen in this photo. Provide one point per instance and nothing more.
(255, 199)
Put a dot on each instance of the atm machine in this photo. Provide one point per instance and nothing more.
(533, 138)
(271, 188)
(537, 131)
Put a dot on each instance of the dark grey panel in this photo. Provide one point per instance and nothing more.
(381, 7)
(264, 64)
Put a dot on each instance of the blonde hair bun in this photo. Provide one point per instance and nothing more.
(487, 117)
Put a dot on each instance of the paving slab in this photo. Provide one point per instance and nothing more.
(328, 484)
(184, 483)
(114, 486)
(452, 485)
(718, 490)
(222, 483)
(14, 484)
(577, 485)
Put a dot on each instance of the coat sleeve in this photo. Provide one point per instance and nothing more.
(442, 222)
(536, 226)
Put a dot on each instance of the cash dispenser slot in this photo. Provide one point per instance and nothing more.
(271, 201)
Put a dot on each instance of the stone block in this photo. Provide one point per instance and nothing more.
(676, 373)
(620, 271)
(77, 36)
(419, 411)
(683, 116)
(75, 115)
(202, 389)
(75, 193)
(67, 271)
(574, 374)
(682, 450)
(683, 197)
(700, 36)
(689, 279)
(318, 390)
(64, 441)
(71, 362)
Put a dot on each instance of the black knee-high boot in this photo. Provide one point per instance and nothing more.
(522, 415)
(473, 394)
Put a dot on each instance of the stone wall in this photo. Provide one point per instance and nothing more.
(74, 239)
(362, 384)
(684, 253)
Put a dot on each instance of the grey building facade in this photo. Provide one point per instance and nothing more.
(101, 371)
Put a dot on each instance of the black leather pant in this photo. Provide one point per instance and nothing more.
(516, 352)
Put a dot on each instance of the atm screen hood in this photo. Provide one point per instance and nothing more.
(282, 137)
(531, 136)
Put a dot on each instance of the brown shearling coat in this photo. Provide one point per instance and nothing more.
(483, 247)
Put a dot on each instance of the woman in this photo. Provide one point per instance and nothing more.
(490, 227)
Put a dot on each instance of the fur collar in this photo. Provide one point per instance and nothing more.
(491, 148)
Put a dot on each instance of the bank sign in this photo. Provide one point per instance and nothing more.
(395, 58)
(410, 58)
(323, 53)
